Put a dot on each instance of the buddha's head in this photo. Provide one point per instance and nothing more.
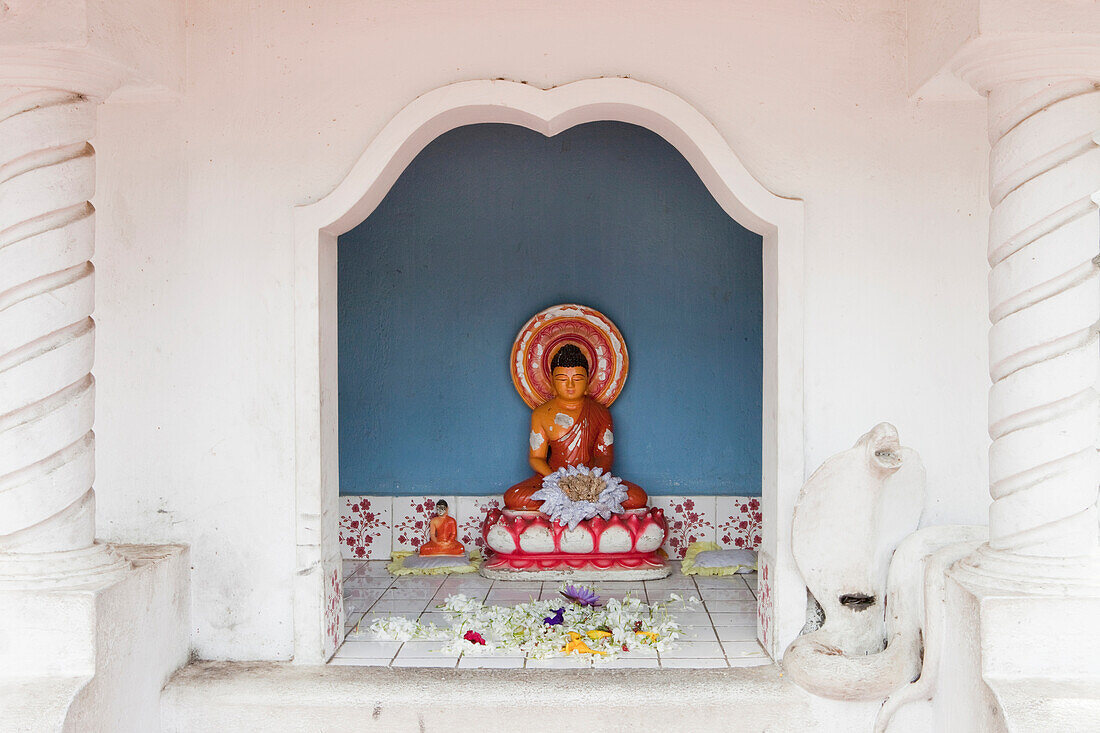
(441, 508)
(569, 373)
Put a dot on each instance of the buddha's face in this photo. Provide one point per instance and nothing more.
(570, 383)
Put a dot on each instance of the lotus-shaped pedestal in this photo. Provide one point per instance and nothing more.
(624, 547)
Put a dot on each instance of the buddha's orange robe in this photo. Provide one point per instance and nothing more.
(445, 531)
(590, 442)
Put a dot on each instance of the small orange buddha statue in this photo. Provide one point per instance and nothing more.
(442, 534)
(571, 429)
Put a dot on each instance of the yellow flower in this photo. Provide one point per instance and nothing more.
(576, 644)
(597, 634)
(653, 636)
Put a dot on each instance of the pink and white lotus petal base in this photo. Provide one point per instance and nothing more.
(528, 545)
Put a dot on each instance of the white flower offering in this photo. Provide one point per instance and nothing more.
(545, 628)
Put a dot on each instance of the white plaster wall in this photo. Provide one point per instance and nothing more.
(195, 421)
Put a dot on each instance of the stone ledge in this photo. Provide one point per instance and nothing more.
(1048, 703)
(280, 696)
(37, 703)
(96, 658)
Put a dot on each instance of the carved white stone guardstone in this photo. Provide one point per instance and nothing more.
(916, 609)
(851, 515)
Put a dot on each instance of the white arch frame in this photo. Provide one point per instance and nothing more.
(778, 220)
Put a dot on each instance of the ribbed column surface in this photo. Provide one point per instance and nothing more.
(47, 176)
(1044, 291)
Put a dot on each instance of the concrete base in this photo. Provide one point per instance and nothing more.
(223, 696)
(587, 574)
(1024, 658)
(96, 658)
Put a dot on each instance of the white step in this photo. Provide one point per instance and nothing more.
(272, 697)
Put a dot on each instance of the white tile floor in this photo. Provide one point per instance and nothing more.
(720, 634)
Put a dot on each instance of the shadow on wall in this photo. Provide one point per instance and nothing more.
(490, 224)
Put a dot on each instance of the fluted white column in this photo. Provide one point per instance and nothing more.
(1044, 309)
(47, 504)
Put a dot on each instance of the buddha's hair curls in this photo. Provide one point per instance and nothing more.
(569, 355)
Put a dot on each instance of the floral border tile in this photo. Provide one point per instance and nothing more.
(689, 518)
(371, 527)
(470, 515)
(411, 515)
(739, 522)
(765, 613)
(365, 523)
(334, 611)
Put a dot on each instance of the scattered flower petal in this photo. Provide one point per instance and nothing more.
(525, 628)
(555, 620)
(576, 644)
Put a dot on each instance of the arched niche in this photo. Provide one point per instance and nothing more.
(318, 614)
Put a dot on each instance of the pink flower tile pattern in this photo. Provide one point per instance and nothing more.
(334, 611)
(764, 606)
(365, 527)
(410, 525)
(373, 526)
(689, 519)
(470, 516)
(740, 522)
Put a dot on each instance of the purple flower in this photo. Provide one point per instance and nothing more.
(556, 619)
(581, 596)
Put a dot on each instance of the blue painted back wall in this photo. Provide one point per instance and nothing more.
(489, 225)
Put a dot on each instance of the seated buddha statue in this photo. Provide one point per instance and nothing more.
(442, 534)
(571, 429)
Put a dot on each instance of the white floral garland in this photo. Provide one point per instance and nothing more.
(557, 504)
(630, 624)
